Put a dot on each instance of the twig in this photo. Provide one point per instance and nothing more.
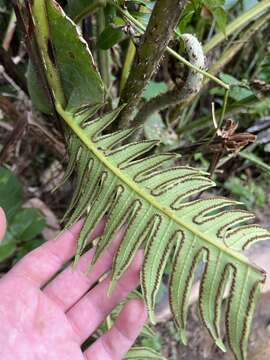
(10, 31)
(38, 130)
(12, 140)
(12, 71)
(163, 20)
(6, 126)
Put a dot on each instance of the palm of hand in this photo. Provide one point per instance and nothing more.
(50, 320)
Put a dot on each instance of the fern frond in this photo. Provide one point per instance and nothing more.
(134, 188)
(152, 200)
(143, 353)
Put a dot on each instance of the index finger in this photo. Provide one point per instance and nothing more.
(40, 265)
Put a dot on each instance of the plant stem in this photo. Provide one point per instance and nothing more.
(163, 20)
(237, 23)
(25, 22)
(42, 34)
(103, 55)
(131, 51)
(223, 110)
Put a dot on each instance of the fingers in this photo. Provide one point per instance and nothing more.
(93, 308)
(71, 284)
(115, 343)
(40, 265)
(3, 224)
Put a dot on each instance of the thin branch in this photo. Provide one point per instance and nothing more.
(12, 70)
(35, 126)
(10, 143)
(9, 31)
(160, 29)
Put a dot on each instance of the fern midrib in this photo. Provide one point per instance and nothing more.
(69, 119)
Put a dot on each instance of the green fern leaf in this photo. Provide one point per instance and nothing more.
(143, 353)
(153, 201)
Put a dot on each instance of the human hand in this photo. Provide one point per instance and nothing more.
(47, 314)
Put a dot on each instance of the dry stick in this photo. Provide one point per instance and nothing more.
(38, 130)
(160, 29)
(10, 31)
(11, 70)
(12, 140)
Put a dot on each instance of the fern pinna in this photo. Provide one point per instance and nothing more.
(152, 199)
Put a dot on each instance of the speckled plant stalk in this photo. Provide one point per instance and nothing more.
(160, 29)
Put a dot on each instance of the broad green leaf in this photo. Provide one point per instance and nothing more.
(229, 79)
(220, 16)
(218, 11)
(7, 249)
(10, 193)
(36, 91)
(80, 82)
(154, 127)
(237, 92)
(186, 18)
(26, 225)
(154, 88)
(109, 37)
